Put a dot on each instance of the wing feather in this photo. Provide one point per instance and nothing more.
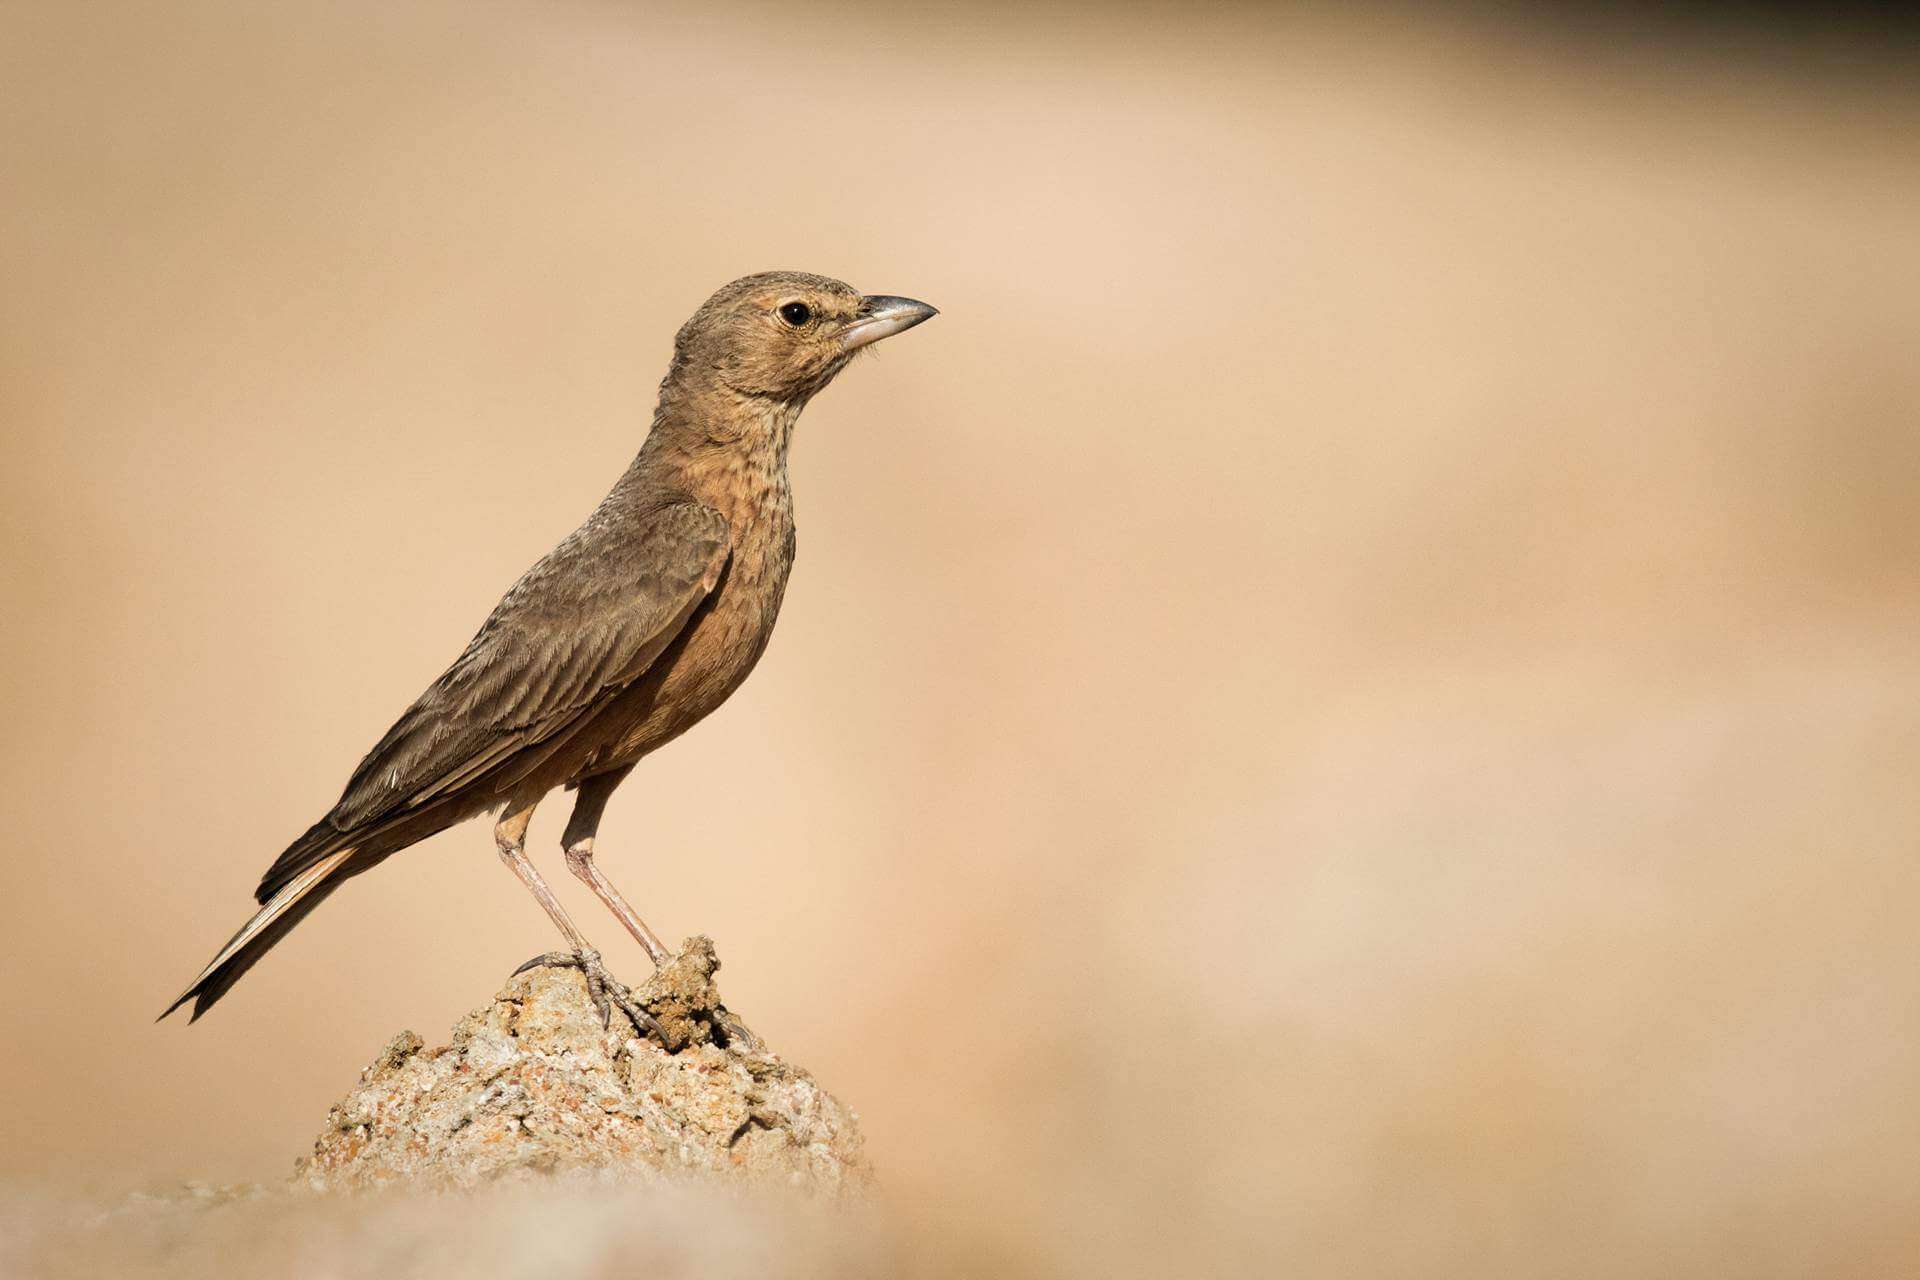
(582, 624)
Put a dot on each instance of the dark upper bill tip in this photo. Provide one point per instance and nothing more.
(883, 315)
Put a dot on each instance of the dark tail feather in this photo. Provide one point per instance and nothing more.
(321, 839)
(286, 908)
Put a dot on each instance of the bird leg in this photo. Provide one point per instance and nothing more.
(578, 841)
(606, 991)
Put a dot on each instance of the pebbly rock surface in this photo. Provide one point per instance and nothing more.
(533, 1084)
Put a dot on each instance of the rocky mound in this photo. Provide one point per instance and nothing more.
(533, 1083)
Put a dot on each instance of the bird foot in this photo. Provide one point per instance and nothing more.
(606, 991)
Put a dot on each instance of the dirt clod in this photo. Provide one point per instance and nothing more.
(533, 1084)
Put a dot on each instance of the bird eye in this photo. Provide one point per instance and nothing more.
(796, 313)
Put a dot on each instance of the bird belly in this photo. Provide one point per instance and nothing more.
(699, 671)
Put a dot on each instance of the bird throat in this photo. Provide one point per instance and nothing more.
(729, 449)
(756, 467)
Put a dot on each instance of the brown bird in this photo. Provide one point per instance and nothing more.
(642, 621)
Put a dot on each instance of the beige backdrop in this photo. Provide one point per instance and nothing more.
(1353, 700)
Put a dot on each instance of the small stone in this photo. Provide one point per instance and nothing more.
(398, 1050)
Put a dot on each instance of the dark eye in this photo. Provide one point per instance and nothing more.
(796, 313)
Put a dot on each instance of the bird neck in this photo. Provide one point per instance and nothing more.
(723, 447)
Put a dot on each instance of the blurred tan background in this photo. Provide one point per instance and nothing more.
(1352, 705)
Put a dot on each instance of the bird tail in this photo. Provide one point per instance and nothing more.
(287, 907)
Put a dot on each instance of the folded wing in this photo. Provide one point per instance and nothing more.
(580, 626)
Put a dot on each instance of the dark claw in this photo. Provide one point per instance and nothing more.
(738, 1034)
(643, 1022)
(551, 960)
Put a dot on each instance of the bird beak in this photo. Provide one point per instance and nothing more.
(882, 316)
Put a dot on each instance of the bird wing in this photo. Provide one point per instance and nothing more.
(581, 625)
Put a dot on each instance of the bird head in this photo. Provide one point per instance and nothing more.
(783, 335)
